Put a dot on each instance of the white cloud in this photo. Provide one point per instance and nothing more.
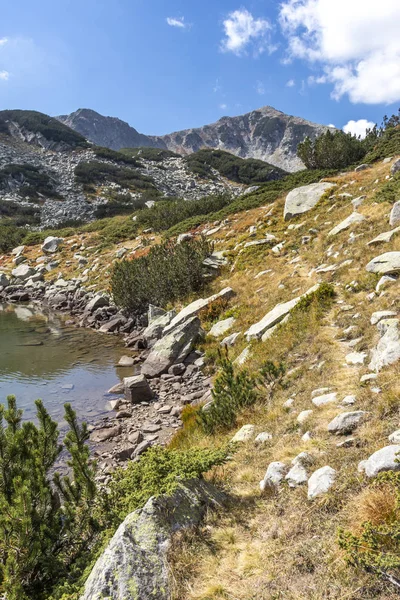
(3, 41)
(177, 22)
(217, 86)
(223, 106)
(290, 83)
(243, 30)
(260, 88)
(355, 42)
(359, 127)
(4, 75)
(331, 125)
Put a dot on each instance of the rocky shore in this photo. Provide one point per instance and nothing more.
(146, 408)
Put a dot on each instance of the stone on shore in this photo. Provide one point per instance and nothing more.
(137, 389)
(23, 271)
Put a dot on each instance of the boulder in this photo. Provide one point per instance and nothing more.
(137, 389)
(172, 348)
(395, 167)
(221, 327)
(262, 438)
(195, 307)
(98, 301)
(362, 168)
(346, 422)
(304, 458)
(321, 481)
(354, 218)
(304, 416)
(384, 238)
(384, 282)
(4, 281)
(387, 351)
(23, 271)
(102, 435)
(154, 312)
(17, 251)
(244, 434)
(356, 358)
(384, 459)
(230, 340)
(274, 475)
(51, 244)
(156, 326)
(394, 217)
(126, 361)
(395, 437)
(118, 388)
(385, 264)
(381, 314)
(324, 399)
(303, 199)
(134, 564)
(297, 475)
(275, 315)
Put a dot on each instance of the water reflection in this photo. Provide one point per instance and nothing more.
(42, 358)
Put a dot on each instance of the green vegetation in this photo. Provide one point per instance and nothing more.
(119, 157)
(32, 183)
(50, 128)
(158, 472)
(334, 150)
(390, 191)
(154, 154)
(168, 273)
(39, 537)
(94, 173)
(387, 145)
(10, 235)
(242, 170)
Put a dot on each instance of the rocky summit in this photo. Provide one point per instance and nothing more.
(266, 134)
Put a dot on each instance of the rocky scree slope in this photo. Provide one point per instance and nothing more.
(306, 452)
(51, 171)
(267, 134)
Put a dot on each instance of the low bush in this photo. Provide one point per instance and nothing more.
(10, 236)
(242, 170)
(154, 154)
(390, 191)
(32, 183)
(169, 272)
(119, 157)
(387, 145)
(94, 173)
(334, 150)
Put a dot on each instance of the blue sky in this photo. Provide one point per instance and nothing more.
(169, 65)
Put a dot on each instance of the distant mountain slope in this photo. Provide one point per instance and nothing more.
(106, 131)
(266, 134)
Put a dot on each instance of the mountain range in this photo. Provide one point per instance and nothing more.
(266, 134)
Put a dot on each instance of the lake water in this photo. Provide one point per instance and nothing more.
(40, 357)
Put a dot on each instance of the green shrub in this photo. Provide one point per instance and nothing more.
(30, 180)
(95, 173)
(158, 472)
(387, 145)
(323, 296)
(390, 191)
(168, 273)
(49, 127)
(39, 536)
(11, 236)
(242, 170)
(154, 154)
(119, 157)
(333, 150)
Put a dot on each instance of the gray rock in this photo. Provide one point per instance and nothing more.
(297, 476)
(244, 434)
(154, 312)
(18, 250)
(23, 272)
(387, 351)
(118, 388)
(304, 458)
(384, 282)
(98, 301)
(274, 475)
(303, 199)
(172, 348)
(321, 481)
(395, 437)
(395, 167)
(381, 314)
(126, 361)
(101, 435)
(354, 218)
(262, 438)
(221, 327)
(356, 358)
(385, 264)
(137, 389)
(195, 307)
(275, 315)
(4, 281)
(141, 448)
(243, 356)
(394, 218)
(304, 416)
(51, 244)
(384, 238)
(361, 168)
(230, 340)
(346, 422)
(134, 565)
(384, 459)
(324, 399)
(154, 331)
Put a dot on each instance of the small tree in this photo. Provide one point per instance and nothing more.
(43, 522)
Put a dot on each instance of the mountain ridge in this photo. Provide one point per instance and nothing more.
(266, 134)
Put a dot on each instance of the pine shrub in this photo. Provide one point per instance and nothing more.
(169, 272)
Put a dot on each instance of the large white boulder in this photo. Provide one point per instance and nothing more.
(385, 264)
(245, 434)
(23, 271)
(387, 351)
(304, 198)
(354, 218)
(274, 475)
(384, 459)
(51, 244)
(275, 315)
(346, 422)
(221, 327)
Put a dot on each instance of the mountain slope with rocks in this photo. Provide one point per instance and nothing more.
(266, 134)
(50, 175)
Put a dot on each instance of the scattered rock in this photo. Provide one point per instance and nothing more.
(387, 351)
(324, 399)
(321, 481)
(354, 218)
(244, 434)
(262, 438)
(381, 314)
(384, 459)
(346, 422)
(126, 361)
(274, 476)
(51, 244)
(356, 358)
(304, 416)
(385, 264)
(221, 327)
(303, 199)
(296, 476)
(137, 389)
